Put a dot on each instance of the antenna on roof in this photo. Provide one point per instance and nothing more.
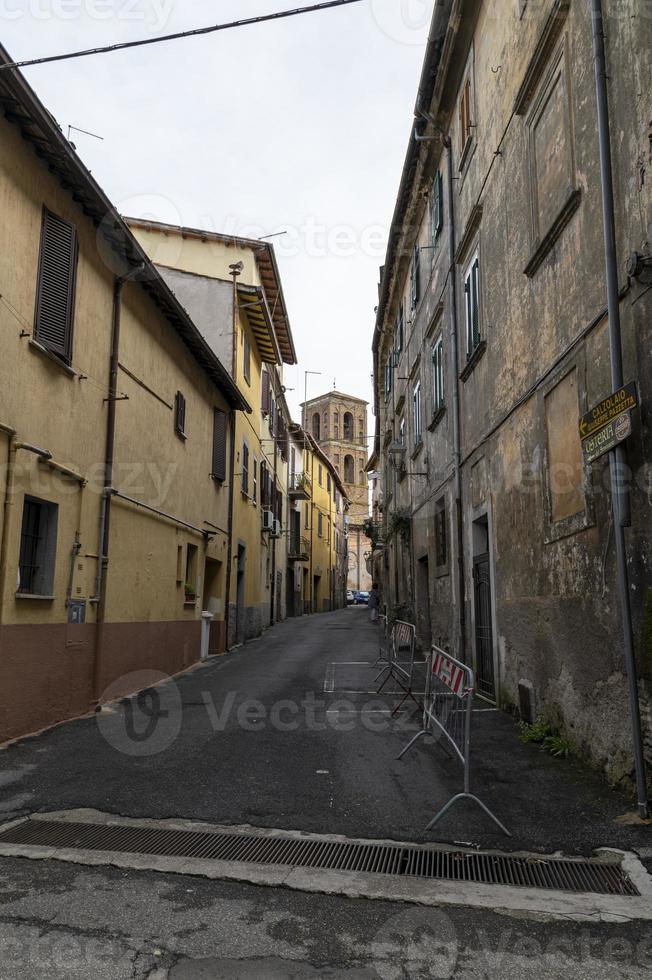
(85, 132)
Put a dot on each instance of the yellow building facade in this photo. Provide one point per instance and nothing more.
(232, 289)
(317, 521)
(111, 406)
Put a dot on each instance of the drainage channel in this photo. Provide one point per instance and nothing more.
(580, 875)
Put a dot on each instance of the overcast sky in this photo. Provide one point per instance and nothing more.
(300, 125)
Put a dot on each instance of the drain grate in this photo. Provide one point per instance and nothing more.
(572, 875)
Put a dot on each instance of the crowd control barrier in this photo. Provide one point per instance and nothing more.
(450, 688)
(400, 647)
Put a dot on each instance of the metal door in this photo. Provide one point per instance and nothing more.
(484, 648)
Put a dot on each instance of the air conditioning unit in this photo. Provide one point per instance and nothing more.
(268, 520)
(277, 530)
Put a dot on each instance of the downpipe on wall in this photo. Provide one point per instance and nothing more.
(620, 494)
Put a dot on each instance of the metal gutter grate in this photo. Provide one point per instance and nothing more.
(565, 874)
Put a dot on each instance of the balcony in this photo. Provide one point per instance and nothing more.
(299, 487)
(298, 548)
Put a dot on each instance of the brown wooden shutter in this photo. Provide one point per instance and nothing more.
(219, 445)
(265, 396)
(245, 469)
(55, 291)
(180, 413)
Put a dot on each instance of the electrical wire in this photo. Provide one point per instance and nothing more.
(196, 32)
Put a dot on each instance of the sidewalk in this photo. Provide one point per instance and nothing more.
(257, 737)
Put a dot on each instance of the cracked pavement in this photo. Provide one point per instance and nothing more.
(318, 769)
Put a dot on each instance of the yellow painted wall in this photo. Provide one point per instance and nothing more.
(212, 258)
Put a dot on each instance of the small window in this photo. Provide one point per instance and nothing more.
(55, 290)
(388, 378)
(416, 413)
(246, 359)
(436, 209)
(244, 479)
(472, 304)
(349, 465)
(438, 375)
(328, 482)
(466, 126)
(218, 471)
(320, 524)
(264, 495)
(191, 572)
(415, 276)
(38, 547)
(321, 476)
(180, 415)
(400, 329)
(307, 514)
(254, 484)
(266, 394)
(441, 534)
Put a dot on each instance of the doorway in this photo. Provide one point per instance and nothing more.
(424, 627)
(213, 602)
(240, 595)
(484, 645)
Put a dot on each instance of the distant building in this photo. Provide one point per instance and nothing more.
(338, 423)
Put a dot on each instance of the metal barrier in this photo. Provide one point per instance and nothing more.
(382, 644)
(401, 647)
(450, 688)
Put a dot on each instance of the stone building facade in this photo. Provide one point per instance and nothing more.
(338, 423)
(491, 341)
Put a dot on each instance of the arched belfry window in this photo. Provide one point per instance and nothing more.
(349, 469)
(316, 427)
(348, 427)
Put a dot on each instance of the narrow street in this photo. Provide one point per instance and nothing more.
(232, 763)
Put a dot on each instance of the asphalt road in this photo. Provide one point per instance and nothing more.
(271, 735)
(62, 922)
(253, 737)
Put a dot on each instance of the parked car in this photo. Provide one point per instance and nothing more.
(350, 597)
(362, 598)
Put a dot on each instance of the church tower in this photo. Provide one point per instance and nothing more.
(338, 422)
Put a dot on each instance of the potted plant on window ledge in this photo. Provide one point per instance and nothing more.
(190, 594)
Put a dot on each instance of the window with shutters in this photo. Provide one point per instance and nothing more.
(180, 415)
(265, 393)
(264, 497)
(38, 544)
(415, 277)
(55, 289)
(320, 475)
(218, 471)
(436, 209)
(328, 482)
(254, 482)
(244, 478)
(472, 305)
(272, 416)
(416, 414)
(465, 120)
(438, 375)
(388, 378)
(246, 359)
(400, 329)
(320, 524)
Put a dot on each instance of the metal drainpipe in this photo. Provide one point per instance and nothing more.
(272, 599)
(620, 497)
(457, 440)
(8, 503)
(229, 543)
(105, 515)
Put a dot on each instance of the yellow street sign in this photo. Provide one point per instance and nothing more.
(624, 400)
